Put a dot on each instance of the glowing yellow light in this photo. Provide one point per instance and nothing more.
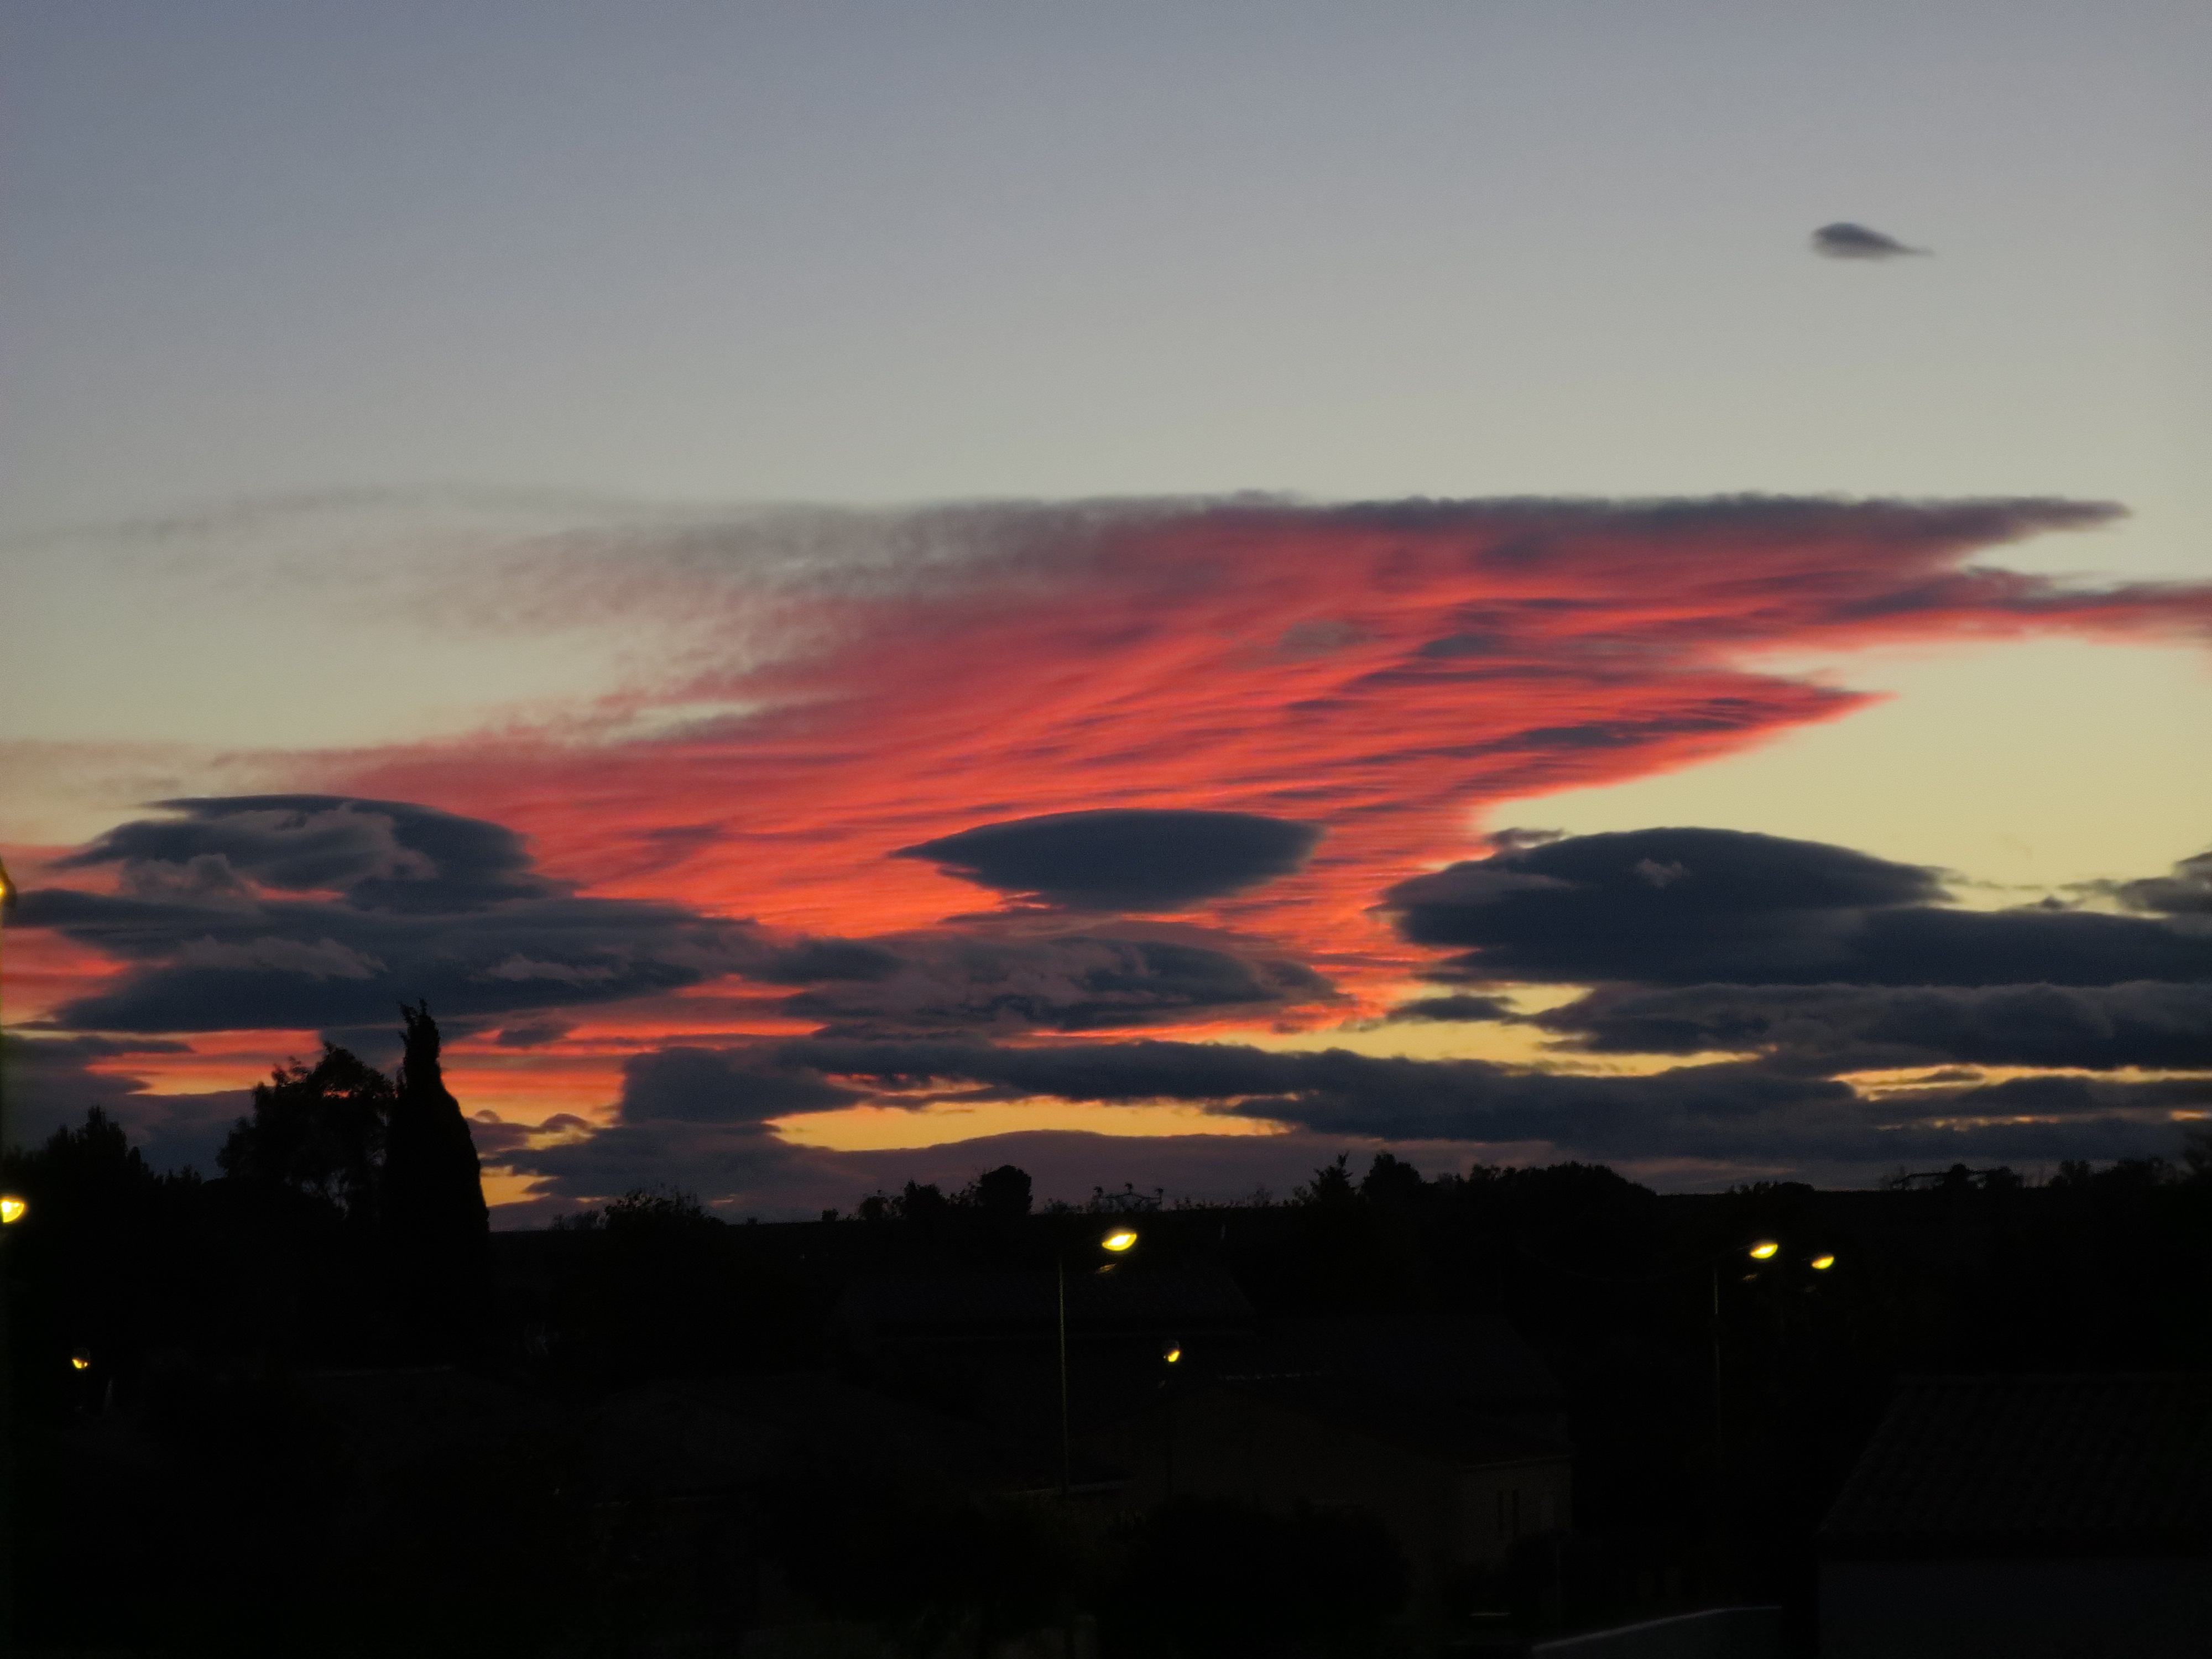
(11, 1209)
(1170, 1352)
(1763, 1249)
(1822, 1263)
(80, 1361)
(1120, 1239)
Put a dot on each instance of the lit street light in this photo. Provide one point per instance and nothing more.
(1118, 1240)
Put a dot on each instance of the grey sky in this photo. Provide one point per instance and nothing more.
(599, 264)
(882, 252)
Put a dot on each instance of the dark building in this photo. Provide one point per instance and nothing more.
(1448, 1431)
(2031, 1517)
(985, 1345)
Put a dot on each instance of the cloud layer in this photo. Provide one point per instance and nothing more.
(1684, 906)
(1217, 766)
(394, 900)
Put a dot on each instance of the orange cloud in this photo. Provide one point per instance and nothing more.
(1385, 672)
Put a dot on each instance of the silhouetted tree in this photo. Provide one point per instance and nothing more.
(98, 1254)
(1127, 1202)
(86, 1168)
(433, 1185)
(664, 1212)
(316, 1130)
(435, 1222)
(1391, 1183)
(1003, 1193)
(1330, 1184)
(922, 1202)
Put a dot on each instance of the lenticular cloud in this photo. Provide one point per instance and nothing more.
(972, 798)
(1377, 673)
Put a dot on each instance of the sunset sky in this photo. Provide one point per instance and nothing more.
(854, 592)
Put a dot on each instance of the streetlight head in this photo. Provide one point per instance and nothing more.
(1763, 1249)
(1118, 1240)
(80, 1360)
(1170, 1351)
(11, 1208)
(1821, 1264)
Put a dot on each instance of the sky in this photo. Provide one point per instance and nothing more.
(856, 593)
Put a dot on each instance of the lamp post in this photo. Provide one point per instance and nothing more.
(1170, 1357)
(1761, 1251)
(1117, 1241)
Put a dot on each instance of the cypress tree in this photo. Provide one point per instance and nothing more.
(435, 1224)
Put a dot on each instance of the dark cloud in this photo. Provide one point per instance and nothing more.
(698, 1117)
(813, 961)
(382, 1042)
(1124, 859)
(1691, 905)
(378, 854)
(1336, 1091)
(49, 1084)
(493, 1136)
(1838, 1028)
(423, 904)
(712, 1085)
(533, 1034)
(293, 964)
(319, 913)
(1470, 1008)
(2186, 892)
(1845, 240)
(1731, 1115)
(729, 1163)
(1073, 983)
(690, 1117)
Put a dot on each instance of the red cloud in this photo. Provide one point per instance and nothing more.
(1384, 671)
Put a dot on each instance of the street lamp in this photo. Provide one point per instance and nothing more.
(1118, 1240)
(1760, 1250)
(1756, 1250)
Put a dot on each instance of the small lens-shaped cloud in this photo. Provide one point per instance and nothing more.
(1844, 240)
